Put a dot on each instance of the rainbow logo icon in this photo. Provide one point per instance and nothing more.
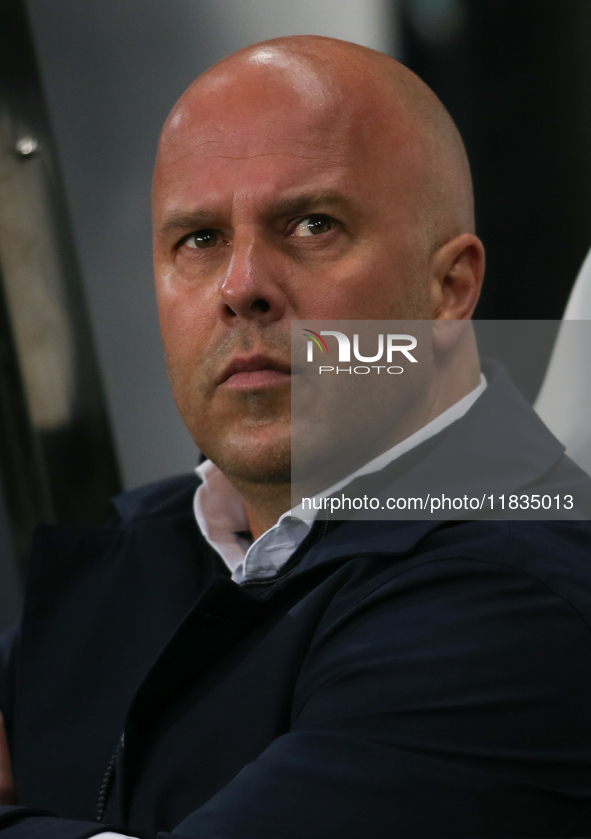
(318, 340)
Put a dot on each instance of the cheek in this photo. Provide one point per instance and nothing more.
(184, 323)
(185, 347)
(371, 287)
(397, 286)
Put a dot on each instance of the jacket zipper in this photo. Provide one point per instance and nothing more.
(107, 781)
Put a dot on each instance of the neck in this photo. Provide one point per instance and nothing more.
(265, 505)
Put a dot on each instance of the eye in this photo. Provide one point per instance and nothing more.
(203, 239)
(312, 226)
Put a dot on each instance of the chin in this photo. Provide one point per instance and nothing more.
(254, 461)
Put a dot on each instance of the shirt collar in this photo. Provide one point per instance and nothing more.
(221, 514)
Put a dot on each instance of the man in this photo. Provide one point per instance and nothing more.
(272, 678)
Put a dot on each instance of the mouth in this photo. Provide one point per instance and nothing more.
(257, 371)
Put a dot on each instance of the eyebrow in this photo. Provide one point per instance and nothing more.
(309, 201)
(305, 202)
(187, 220)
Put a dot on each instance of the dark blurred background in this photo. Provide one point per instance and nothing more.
(516, 77)
(85, 405)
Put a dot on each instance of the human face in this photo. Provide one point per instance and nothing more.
(269, 208)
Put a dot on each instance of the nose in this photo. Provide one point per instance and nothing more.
(252, 288)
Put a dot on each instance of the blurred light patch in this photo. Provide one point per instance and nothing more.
(437, 21)
(33, 284)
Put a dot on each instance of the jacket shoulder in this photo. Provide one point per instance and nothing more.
(163, 499)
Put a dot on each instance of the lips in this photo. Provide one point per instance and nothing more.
(255, 371)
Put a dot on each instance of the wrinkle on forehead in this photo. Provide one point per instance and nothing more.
(223, 147)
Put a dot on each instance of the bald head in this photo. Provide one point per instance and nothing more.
(340, 88)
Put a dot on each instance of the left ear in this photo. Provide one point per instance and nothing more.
(456, 272)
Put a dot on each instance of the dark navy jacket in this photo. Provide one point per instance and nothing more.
(413, 679)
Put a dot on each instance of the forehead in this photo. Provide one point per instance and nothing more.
(250, 119)
(262, 132)
(252, 95)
